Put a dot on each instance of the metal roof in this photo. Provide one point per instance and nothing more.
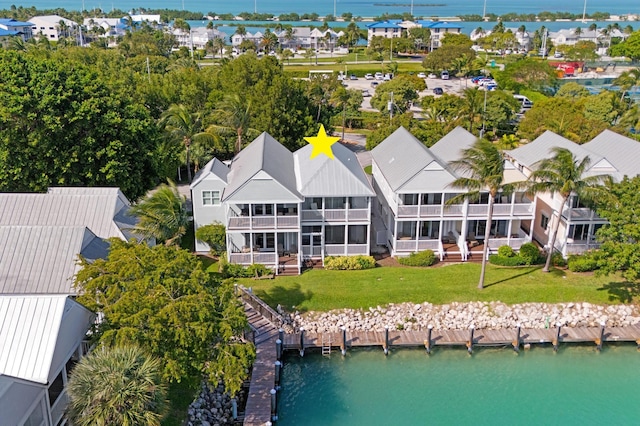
(42, 259)
(17, 397)
(540, 148)
(621, 152)
(384, 24)
(401, 157)
(95, 208)
(322, 176)
(450, 147)
(264, 159)
(215, 169)
(38, 333)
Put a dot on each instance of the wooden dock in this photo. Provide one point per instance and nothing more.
(480, 338)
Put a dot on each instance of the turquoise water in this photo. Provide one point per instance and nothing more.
(576, 386)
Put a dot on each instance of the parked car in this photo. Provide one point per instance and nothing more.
(368, 76)
(387, 77)
(444, 75)
(374, 84)
(438, 91)
(525, 103)
(353, 77)
(422, 75)
(431, 75)
(379, 76)
(365, 93)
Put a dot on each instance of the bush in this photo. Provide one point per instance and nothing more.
(497, 259)
(506, 251)
(583, 263)
(422, 258)
(558, 260)
(233, 270)
(530, 253)
(214, 235)
(344, 263)
(258, 270)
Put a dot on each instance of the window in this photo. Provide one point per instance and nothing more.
(334, 235)
(210, 198)
(430, 229)
(55, 389)
(36, 418)
(357, 234)
(432, 199)
(335, 203)
(263, 209)
(358, 202)
(313, 203)
(544, 221)
(409, 199)
(579, 232)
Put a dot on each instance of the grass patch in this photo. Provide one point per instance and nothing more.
(368, 170)
(180, 395)
(321, 290)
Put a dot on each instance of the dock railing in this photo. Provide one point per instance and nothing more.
(246, 295)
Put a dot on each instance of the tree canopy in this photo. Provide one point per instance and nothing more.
(160, 298)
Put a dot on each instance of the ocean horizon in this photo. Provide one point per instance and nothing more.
(362, 8)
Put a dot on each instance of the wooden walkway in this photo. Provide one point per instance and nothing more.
(258, 408)
(502, 337)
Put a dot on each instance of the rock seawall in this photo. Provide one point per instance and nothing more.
(460, 316)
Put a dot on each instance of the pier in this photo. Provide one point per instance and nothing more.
(469, 338)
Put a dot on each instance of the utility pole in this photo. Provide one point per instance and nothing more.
(390, 108)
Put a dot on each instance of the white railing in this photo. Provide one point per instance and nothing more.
(311, 251)
(334, 249)
(579, 213)
(287, 221)
(311, 215)
(478, 209)
(240, 258)
(429, 245)
(59, 407)
(430, 210)
(239, 223)
(581, 247)
(453, 209)
(270, 258)
(353, 249)
(405, 245)
(358, 214)
(514, 243)
(335, 214)
(410, 211)
(522, 208)
(263, 221)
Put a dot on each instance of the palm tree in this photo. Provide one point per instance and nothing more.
(162, 215)
(234, 113)
(627, 80)
(119, 386)
(340, 99)
(218, 44)
(473, 106)
(564, 174)
(183, 125)
(482, 168)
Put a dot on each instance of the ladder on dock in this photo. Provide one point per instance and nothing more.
(326, 346)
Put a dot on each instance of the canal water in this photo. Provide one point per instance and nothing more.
(576, 386)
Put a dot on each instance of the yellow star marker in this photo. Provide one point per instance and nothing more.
(322, 143)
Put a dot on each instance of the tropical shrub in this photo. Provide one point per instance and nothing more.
(558, 260)
(258, 270)
(530, 253)
(496, 259)
(583, 263)
(349, 262)
(421, 258)
(506, 251)
(214, 235)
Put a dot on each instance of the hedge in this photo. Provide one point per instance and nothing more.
(422, 258)
(583, 263)
(344, 263)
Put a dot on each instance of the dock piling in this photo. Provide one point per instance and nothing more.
(343, 348)
(274, 415)
(281, 334)
(601, 339)
(427, 343)
(234, 408)
(516, 343)
(279, 349)
(386, 340)
(556, 341)
(301, 341)
(470, 342)
(278, 368)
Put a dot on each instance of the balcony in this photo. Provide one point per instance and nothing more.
(351, 249)
(579, 213)
(246, 223)
(335, 215)
(520, 209)
(411, 245)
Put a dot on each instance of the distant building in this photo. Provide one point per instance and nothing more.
(12, 28)
(396, 28)
(53, 27)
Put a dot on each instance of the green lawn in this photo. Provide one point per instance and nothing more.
(180, 395)
(321, 290)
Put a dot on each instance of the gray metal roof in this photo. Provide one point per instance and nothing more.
(322, 176)
(215, 169)
(38, 333)
(101, 210)
(401, 157)
(541, 148)
(264, 159)
(16, 398)
(42, 259)
(621, 152)
(450, 147)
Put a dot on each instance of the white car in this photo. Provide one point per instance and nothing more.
(368, 76)
(422, 75)
(379, 76)
(444, 75)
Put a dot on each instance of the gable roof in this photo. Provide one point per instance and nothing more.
(407, 165)
(384, 24)
(541, 147)
(215, 169)
(38, 333)
(450, 147)
(42, 259)
(103, 210)
(619, 151)
(262, 171)
(323, 176)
